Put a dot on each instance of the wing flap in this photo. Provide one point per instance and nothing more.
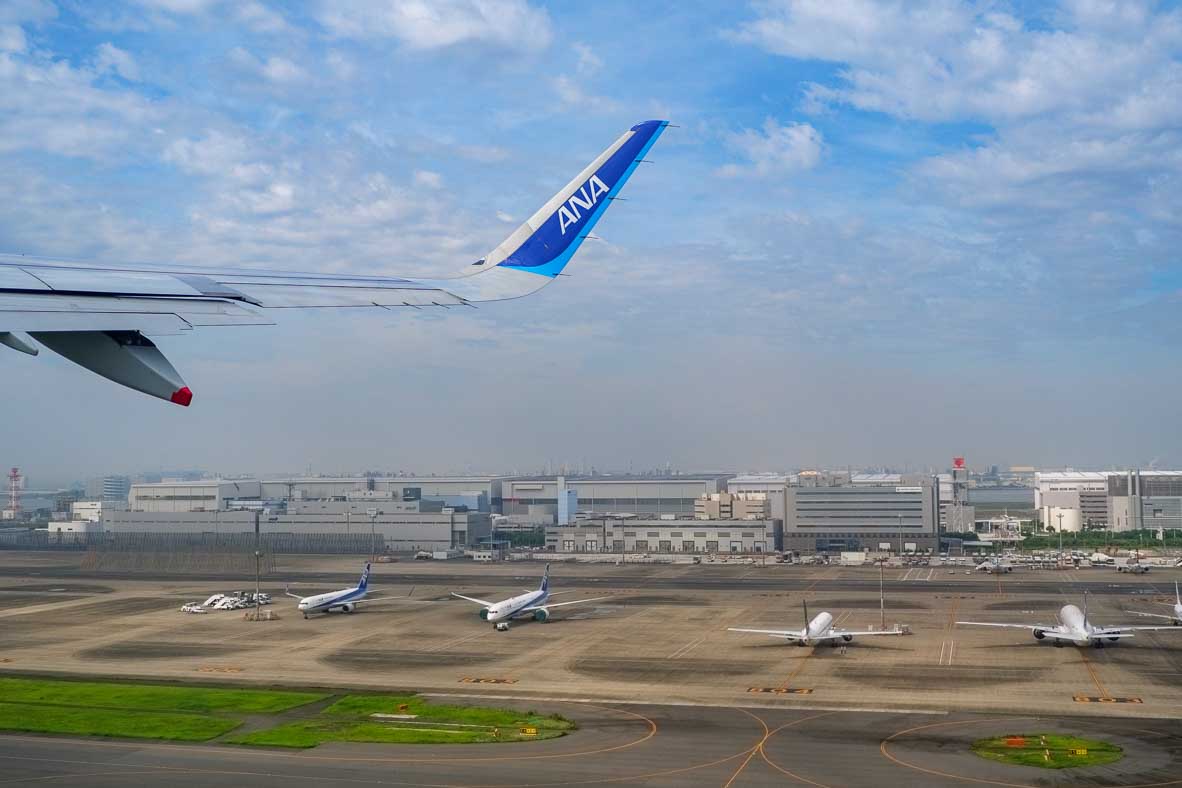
(45, 312)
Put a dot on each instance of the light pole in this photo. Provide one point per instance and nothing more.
(900, 536)
(373, 521)
(881, 598)
(1060, 537)
(258, 557)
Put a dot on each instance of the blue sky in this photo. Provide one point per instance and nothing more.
(884, 233)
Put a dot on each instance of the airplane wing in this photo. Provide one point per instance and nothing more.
(562, 604)
(1029, 627)
(776, 633)
(1110, 631)
(100, 316)
(1154, 615)
(484, 602)
(837, 633)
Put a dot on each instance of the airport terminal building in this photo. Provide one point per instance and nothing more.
(536, 497)
(899, 518)
(610, 535)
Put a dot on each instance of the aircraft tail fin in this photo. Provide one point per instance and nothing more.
(1085, 606)
(1177, 593)
(364, 583)
(545, 580)
(805, 604)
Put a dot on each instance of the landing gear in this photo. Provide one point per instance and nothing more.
(305, 616)
(1098, 643)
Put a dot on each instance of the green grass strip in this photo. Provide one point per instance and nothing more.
(349, 720)
(1047, 751)
(108, 722)
(310, 733)
(150, 697)
(365, 705)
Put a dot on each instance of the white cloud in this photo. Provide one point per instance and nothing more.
(428, 179)
(261, 19)
(588, 63)
(12, 39)
(433, 24)
(180, 6)
(343, 67)
(50, 106)
(572, 95)
(110, 58)
(276, 70)
(24, 11)
(791, 147)
(937, 60)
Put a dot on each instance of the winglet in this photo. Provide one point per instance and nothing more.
(548, 240)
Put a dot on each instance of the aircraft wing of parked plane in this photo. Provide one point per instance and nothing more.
(817, 630)
(100, 316)
(1074, 627)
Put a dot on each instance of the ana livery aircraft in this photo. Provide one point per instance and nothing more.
(101, 316)
(1073, 627)
(535, 603)
(817, 630)
(344, 600)
(1177, 617)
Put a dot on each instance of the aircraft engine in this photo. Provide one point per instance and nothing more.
(1114, 639)
(347, 607)
(847, 638)
(1039, 634)
(541, 614)
(484, 614)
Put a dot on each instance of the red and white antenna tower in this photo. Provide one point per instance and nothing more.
(14, 492)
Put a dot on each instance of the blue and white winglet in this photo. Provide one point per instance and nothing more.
(101, 316)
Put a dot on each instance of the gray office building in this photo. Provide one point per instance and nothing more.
(888, 518)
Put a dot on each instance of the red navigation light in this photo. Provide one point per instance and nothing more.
(182, 396)
(957, 462)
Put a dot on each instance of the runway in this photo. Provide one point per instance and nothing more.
(631, 745)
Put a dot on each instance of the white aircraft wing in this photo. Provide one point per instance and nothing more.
(844, 632)
(776, 633)
(100, 315)
(549, 605)
(484, 602)
(1115, 630)
(1030, 627)
(1154, 615)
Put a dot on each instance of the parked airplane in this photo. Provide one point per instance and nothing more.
(818, 630)
(536, 603)
(101, 316)
(1073, 627)
(345, 600)
(995, 566)
(1177, 617)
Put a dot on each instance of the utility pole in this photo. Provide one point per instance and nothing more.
(900, 536)
(1060, 537)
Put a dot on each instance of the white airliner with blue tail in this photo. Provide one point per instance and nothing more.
(102, 316)
(345, 600)
(535, 604)
(818, 630)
